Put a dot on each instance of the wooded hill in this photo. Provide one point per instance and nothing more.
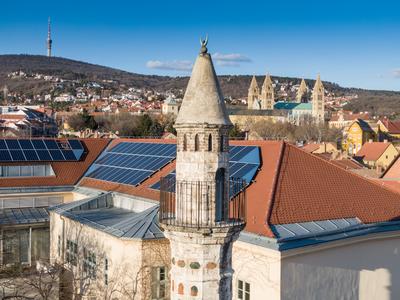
(236, 86)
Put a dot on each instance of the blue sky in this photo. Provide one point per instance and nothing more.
(354, 43)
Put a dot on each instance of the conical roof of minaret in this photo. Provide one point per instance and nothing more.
(253, 84)
(203, 102)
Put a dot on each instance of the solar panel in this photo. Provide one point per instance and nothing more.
(244, 162)
(131, 163)
(40, 150)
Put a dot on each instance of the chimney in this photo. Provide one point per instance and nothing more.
(370, 141)
(385, 140)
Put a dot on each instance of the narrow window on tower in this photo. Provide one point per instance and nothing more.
(210, 142)
(221, 143)
(184, 143)
(196, 142)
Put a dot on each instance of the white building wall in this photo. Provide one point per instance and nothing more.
(129, 261)
(261, 267)
(366, 269)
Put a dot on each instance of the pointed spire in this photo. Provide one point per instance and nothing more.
(318, 82)
(267, 80)
(253, 84)
(302, 90)
(303, 84)
(203, 102)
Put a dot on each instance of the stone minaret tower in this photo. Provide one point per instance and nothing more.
(267, 94)
(302, 91)
(318, 101)
(49, 40)
(199, 222)
(254, 93)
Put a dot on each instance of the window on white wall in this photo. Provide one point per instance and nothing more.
(158, 283)
(89, 263)
(72, 253)
(106, 271)
(243, 290)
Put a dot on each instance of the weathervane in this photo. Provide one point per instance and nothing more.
(203, 44)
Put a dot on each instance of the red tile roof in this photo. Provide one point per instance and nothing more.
(393, 127)
(350, 116)
(66, 172)
(309, 189)
(344, 163)
(393, 185)
(372, 151)
(291, 186)
(393, 171)
(310, 148)
(294, 186)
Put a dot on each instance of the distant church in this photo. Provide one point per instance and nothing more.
(297, 110)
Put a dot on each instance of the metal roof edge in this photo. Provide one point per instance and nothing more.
(38, 189)
(354, 231)
(284, 245)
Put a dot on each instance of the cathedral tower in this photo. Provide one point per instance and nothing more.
(202, 220)
(302, 91)
(267, 94)
(254, 93)
(318, 101)
(49, 40)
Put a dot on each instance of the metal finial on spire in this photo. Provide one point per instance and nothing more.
(203, 44)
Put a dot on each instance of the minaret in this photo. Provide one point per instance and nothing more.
(267, 94)
(49, 40)
(302, 91)
(202, 221)
(318, 98)
(254, 93)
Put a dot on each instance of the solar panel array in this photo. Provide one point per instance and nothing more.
(131, 163)
(20, 150)
(244, 162)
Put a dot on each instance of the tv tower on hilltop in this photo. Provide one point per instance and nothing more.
(49, 40)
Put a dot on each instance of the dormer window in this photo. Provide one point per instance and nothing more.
(196, 143)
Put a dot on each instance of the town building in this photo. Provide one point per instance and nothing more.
(296, 111)
(311, 228)
(34, 175)
(342, 119)
(319, 148)
(26, 121)
(170, 106)
(389, 129)
(377, 154)
(358, 133)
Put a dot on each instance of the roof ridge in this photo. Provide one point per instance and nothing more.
(271, 201)
(347, 171)
(390, 166)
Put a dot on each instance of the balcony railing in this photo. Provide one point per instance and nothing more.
(200, 204)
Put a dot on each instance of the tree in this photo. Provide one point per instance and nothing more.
(235, 132)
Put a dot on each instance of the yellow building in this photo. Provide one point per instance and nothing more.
(355, 135)
(377, 154)
(389, 129)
